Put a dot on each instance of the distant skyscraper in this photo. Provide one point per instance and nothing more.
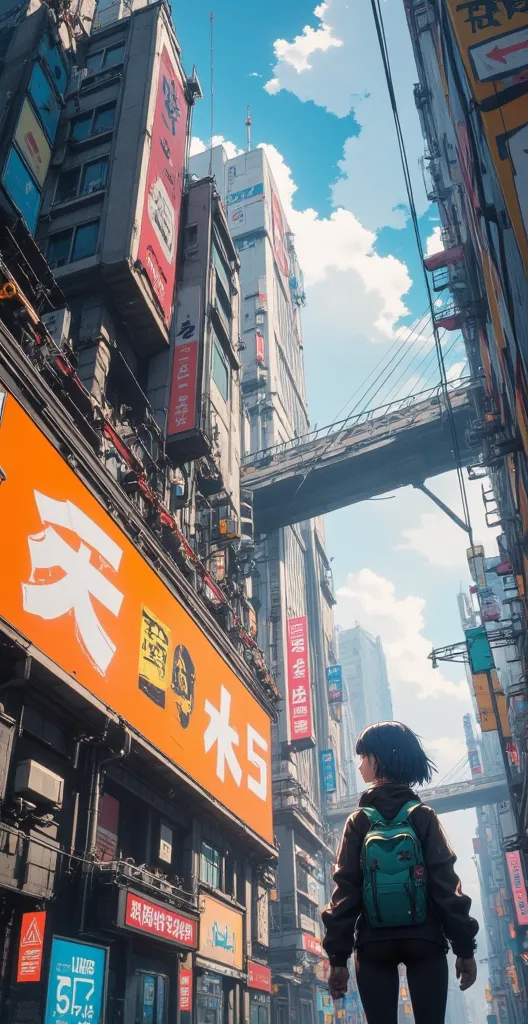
(365, 684)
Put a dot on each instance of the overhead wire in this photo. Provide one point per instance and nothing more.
(382, 42)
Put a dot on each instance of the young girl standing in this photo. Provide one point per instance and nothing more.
(397, 898)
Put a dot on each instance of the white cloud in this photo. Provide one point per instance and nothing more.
(338, 66)
(447, 749)
(437, 539)
(343, 272)
(197, 146)
(434, 242)
(372, 600)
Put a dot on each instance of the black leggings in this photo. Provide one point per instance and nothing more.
(378, 981)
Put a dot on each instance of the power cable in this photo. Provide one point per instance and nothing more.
(426, 364)
(382, 42)
(392, 396)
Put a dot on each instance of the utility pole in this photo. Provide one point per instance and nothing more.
(248, 123)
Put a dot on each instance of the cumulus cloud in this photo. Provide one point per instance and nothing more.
(373, 601)
(338, 66)
(337, 253)
(197, 146)
(434, 242)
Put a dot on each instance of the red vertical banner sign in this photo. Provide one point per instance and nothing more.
(31, 946)
(158, 238)
(300, 718)
(186, 990)
(259, 343)
(183, 406)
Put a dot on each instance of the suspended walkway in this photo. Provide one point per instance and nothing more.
(369, 454)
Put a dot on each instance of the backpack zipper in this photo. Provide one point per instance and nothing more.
(374, 884)
(412, 900)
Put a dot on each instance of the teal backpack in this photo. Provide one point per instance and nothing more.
(394, 875)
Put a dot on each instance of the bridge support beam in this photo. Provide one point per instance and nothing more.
(443, 507)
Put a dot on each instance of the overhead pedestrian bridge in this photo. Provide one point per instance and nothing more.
(457, 796)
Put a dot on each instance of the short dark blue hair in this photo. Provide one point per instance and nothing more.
(398, 752)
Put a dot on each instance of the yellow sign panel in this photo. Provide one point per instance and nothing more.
(221, 933)
(488, 721)
(32, 143)
(493, 39)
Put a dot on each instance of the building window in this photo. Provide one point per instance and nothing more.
(74, 244)
(210, 865)
(67, 185)
(220, 369)
(93, 177)
(104, 59)
(95, 122)
(222, 269)
(45, 101)
(191, 237)
(85, 242)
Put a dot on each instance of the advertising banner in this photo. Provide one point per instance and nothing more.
(183, 413)
(280, 248)
(300, 724)
(221, 933)
(75, 585)
(31, 946)
(76, 983)
(32, 143)
(311, 944)
(518, 886)
(334, 680)
(328, 771)
(161, 921)
(158, 239)
(186, 990)
(259, 976)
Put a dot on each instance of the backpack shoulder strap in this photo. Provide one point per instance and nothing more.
(374, 816)
(404, 812)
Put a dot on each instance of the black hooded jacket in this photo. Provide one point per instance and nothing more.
(448, 909)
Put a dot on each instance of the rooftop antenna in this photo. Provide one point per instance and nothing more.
(211, 20)
(248, 129)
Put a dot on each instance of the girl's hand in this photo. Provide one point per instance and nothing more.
(466, 970)
(338, 982)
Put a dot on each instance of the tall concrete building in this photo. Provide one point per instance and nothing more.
(366, 687)
(137, 847)
(293, 590)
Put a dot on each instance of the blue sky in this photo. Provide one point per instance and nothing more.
(313, 78)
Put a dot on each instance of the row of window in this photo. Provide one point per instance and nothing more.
(81, 180)
(72, 244)
(103, 60)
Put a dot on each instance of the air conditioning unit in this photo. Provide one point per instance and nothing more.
(229, 529)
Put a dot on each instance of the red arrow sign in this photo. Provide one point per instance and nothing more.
(500, 53)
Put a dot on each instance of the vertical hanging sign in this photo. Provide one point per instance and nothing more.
(186, 990)
(300, 717)
(31, 945)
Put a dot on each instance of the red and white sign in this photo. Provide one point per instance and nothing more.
(299, 692)
(259, 342)
(186, 990)
(311, 944)
(500, 56)
(259, 976)
(158, 238)
(279, 237)
(518, 885)
(31, 946)
(155, 920)
(182, 412)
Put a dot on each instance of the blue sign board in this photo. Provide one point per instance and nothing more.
(76, 983)
(19, 183)
(334, 679)
(328, 772)
(245, 193)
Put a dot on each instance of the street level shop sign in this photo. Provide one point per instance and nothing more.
(76, 983)
(30, 946)
(157, 919)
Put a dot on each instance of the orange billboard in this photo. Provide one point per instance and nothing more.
(78, 588)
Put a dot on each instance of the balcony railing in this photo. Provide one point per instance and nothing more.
(124, 873)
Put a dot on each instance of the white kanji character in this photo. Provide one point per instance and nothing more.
(148, 915)
(297, 645)
(81, 581)
(135, 910)
(299, 668)
(301, 726)
(188, 934)
(299, 695)
(219, 731)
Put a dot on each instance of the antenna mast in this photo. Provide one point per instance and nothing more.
(248, 129)
(211, 20)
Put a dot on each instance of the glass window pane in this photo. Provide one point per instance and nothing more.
(22, 189)
(59, 245)
(220, 370)
(94, 176)
(67, 185)
(45, 101)
(114, 55)
(104, 119)
(221, 269)
(210, 865)
(85, 243)
(94, 62)
(81, 127)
